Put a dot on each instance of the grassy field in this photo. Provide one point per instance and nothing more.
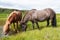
(45, 33)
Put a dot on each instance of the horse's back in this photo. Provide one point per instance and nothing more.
(49, 10)
(15, 16)
(43, 14)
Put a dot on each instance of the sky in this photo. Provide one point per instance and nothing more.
(30, 4)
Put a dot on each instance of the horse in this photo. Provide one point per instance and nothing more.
(36, 16)
(14, 17)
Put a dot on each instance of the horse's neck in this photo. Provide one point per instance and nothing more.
(24, 19)
(7, 22)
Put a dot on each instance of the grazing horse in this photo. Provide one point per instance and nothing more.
(14, 17)
(39, 15)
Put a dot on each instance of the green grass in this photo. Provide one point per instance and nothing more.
(45, 33)
(48, 33)
(3, 17)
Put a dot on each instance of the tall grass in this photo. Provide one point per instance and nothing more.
(48, 33)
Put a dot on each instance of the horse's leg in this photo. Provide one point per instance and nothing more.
(47, 22)
(52, 22)
(25, 27)
(14, 26)
(33, 24)
(37, 25)
(17, 27)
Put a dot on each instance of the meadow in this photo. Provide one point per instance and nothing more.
(45, 33)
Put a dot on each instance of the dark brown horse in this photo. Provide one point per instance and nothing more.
(39, 15)
(14, 17)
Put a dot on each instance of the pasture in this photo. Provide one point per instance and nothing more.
(45, 33)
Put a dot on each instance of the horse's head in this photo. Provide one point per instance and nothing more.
(23, 25)
(6, 29)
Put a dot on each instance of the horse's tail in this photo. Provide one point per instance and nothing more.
(54, 23)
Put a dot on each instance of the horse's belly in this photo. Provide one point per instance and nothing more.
(41, 19)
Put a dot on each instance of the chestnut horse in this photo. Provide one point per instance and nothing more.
(39, 15)
(14, 17)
